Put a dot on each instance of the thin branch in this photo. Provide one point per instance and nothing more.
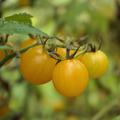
(82, 52)
(72, 56)
(54, 56)
(100, 44)
(59, 39)
(105, 110)
(67, 53)
(7, 58)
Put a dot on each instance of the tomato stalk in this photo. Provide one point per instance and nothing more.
(83, 40)
(59, 39)
(100, 44)
(7, 58)
(4, 39)
(67, 53)
(95, 48)
(73, 55)
(92, 47)
(84, 50)
(32, 36)
(54, 55)
(42, 41)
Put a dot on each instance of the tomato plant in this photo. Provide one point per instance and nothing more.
(70, 77)
(38, 62)
(96, 63)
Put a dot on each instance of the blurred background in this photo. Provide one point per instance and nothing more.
(64, 18)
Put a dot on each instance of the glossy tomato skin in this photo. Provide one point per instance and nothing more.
(95, 62)
(70, 77)
(36, 65)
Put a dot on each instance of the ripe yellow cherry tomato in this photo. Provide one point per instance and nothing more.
(95, 62)
(36, 65)
(70, 77)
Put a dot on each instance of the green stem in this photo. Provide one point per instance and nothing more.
(54, 56)
(100, 44)
(72, 56)
(67, 53)
(82, 52)
(59, 39)
(105, 110)
(7, 58)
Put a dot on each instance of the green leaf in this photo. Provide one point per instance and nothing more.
(21, 18)
(12, 27)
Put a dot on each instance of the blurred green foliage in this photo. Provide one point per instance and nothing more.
(65, 18)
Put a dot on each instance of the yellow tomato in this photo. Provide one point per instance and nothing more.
(70, 77)
(36, 65)
(95, 62)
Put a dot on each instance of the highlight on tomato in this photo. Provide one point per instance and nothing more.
(70, 77)
(96, 63)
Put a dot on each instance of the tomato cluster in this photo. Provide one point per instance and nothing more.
(70, 76)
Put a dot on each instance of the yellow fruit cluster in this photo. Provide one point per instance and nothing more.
(70, 77)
